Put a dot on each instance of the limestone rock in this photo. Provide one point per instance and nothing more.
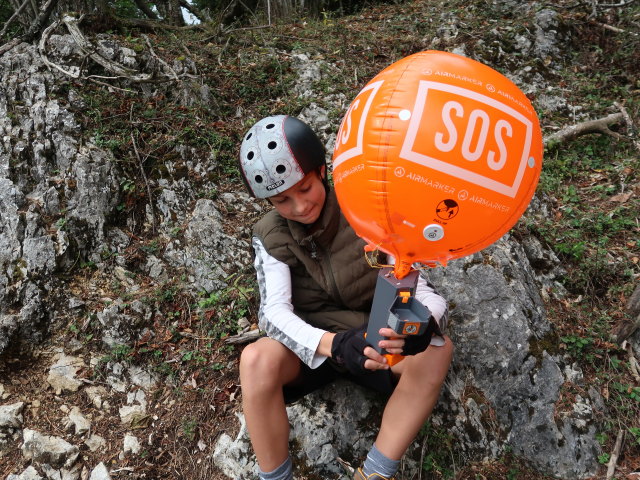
(97, 395)
(50, 450)
(507, 350)
(11, 415)
(142, 378)
(78, 422)
(122, 324)
(135, 411)
(338, 421)
(52, 473)
(62, 374)
(29, 474)
(10, 423)
(234, 457)
(100, 472)
(95, 442)
(131, 444)
(209, 252)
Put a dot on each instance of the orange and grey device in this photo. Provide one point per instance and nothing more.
(395, 306)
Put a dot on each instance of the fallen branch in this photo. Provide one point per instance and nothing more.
(243, 338)
(616, 5)
(600, 125)
(89, 49)
(613, 460)
(162, 62)
(611, 28)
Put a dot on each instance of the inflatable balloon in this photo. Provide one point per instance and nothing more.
(436, 158)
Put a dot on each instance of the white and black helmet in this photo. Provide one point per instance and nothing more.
(276, 153)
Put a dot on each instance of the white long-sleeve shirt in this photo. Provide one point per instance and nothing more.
(277, 318)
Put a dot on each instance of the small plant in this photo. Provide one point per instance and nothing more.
(127, 186)
(439, 450)
(120, 352)
(604, 458)
(190, 428)
(61, 223)
(577, 346)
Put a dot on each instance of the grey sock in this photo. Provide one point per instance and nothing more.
(283, 472)
(376, 462)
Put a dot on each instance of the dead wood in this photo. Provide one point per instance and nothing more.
(600, 125)
(613, 460)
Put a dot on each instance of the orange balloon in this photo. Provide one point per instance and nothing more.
(436, 158)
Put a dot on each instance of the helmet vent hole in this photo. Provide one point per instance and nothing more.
(258, 179)
(272, 145)
(281, 169)
(250, 155)
(270, 126)
(249, 136)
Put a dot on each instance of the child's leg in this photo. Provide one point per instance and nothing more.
(265, 366)
(421, 377)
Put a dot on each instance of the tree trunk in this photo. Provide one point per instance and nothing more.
(170, 11)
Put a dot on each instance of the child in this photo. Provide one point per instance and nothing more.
(316, 290)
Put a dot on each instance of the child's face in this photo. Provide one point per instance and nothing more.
(304, 201)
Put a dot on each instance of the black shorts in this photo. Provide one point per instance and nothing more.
(309, 380)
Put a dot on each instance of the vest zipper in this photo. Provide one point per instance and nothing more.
(326, 261)
(314, 250)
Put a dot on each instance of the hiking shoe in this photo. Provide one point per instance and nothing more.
(359, 475)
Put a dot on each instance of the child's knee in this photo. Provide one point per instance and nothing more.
(255, 358)
(263, 363)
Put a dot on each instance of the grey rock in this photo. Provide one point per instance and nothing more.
(29, 474)
(95, 197)
(131, 413)
(78, 422)
(550, 36)
(52, 473)
(309, 72)
(11, 421)
(62, 374)
(210, 253)
(234, 457)
(142, 378)
(338, 421)
(131, 444)
(502, 339)
(100, 472)
(329, 424)
(95, 443)
(50, 450)
(11, 416)
(120, 327)
(96, 395)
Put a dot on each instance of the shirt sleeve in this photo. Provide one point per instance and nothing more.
(276, 316)
(426, 294)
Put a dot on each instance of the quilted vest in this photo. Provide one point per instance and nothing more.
(332, 283)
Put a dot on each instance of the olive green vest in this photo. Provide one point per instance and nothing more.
(332, 283)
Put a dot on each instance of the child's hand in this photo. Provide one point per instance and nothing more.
(393, 342)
